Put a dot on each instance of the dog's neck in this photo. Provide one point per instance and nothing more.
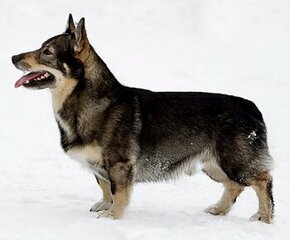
(73, 99)
(96, 70)
(97, 78)
(61, 93)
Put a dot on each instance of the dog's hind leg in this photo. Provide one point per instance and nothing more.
(230, 194)
(106, 201)
(263, 190)
(231, 189)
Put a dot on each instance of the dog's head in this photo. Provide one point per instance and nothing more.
(60, 58)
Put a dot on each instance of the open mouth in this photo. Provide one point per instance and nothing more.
(41, 79)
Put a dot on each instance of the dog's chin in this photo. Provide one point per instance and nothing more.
(36, 80)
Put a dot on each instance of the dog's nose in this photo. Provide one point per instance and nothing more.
(15, 59)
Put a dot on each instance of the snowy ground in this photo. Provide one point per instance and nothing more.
(233, 47)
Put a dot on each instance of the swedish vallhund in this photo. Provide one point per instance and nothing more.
(126, 135)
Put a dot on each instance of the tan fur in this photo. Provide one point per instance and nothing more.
(223, 206)
(265, 211)
(120, 201)
(121, 197)
(60, 93)
(106, 189)
(30, 59)
(231, 192)
(107, 200)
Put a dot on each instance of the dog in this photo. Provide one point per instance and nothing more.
(128, 135)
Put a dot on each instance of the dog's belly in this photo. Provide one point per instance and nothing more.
(162, 168)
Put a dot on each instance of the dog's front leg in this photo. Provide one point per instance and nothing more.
(121, 177)
(107, 200)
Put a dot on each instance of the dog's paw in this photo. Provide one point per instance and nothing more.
(106, 214)
(216, 210)
(261, 217)
(100, 206)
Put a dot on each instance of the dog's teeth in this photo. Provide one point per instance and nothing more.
(46, 74)
(27, 81)
(42, 77)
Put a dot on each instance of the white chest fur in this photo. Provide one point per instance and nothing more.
(88, 156)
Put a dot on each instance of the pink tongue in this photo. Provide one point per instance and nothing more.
(28, 77)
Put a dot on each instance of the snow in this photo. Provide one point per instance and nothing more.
(252, 137)
(233, 47)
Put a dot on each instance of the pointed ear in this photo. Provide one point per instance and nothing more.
(70, 26)
(80, 36)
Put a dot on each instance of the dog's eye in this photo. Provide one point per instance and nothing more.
(47, 52)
